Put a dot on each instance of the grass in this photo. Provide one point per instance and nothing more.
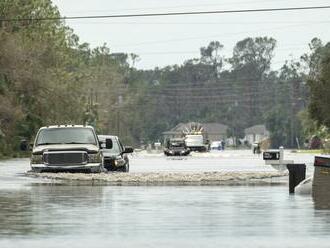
(15, 155)
(318, 151)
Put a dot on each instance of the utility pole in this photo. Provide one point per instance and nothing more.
(117, 124)
(295, 91)
(120, 100)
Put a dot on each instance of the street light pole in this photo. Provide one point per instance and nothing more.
(120, 101)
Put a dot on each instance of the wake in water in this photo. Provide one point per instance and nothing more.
(163, 178)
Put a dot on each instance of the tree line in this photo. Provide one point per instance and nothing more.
(47, 76)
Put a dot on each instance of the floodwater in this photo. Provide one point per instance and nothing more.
(36, 212)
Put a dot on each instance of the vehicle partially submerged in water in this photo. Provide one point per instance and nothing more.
(67, 148)
(115, 156)
(176, 147)
(319, 183)
(196, 138)
(197, 142)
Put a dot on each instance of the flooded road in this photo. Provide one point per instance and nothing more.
(37, 212)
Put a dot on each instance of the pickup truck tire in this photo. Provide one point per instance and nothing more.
(98, 169)
(37, 170)
(125, 168)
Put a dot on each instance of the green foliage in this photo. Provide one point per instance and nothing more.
(253, 55)
(46, 76)
(278, 124)
(319, 82)
(309, 125)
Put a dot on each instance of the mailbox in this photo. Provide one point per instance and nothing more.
(275, 158)
(271, 155)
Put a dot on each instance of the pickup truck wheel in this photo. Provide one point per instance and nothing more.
(98, 169)
(125, 168)
(203, 149)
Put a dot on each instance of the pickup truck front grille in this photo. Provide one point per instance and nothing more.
(177, 149)
(61, 158)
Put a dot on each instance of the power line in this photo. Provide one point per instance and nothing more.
(222, 84)
(177, 6)
(301, 47)
(167, 14)
(223, 91)
(230, 3)
(200, 23)
(214, 36)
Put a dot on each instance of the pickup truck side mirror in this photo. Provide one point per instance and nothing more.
(128, 149)
(108, 143)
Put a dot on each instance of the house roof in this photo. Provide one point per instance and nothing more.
(179, 127)
(210, 128)
(215, 128)
(257, 129)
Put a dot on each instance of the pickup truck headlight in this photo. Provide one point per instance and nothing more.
(94, 158)
(36, 159)
(119, 161)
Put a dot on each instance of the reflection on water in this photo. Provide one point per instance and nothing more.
(321, 186)
(321, 198)
(176, 215)
(42, 209)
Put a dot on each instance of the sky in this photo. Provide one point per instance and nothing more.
(169, 40)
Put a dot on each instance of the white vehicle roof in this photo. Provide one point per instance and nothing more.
(216, 142)
(66, 126)
(105, 136)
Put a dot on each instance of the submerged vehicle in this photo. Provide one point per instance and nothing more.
(256, 148)
(195, 142)
(176, 147)
(216, 145)
(196, 138)
(66, 148)
(115, 154)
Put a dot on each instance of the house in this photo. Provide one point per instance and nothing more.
(256, 133)
(214, 131)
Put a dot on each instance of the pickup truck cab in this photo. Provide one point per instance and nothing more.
(115, 155)
(66, 148)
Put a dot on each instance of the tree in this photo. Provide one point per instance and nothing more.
(278, 124)
(319, 82)
(253, 55)
(46, 75)
(210, 55)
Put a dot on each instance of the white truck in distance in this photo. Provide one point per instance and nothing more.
(195, 142)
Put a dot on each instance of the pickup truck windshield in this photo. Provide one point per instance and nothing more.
(177, 144)
(66, 136)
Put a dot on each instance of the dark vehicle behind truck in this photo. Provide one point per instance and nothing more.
(176, 147)
(115, 154)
